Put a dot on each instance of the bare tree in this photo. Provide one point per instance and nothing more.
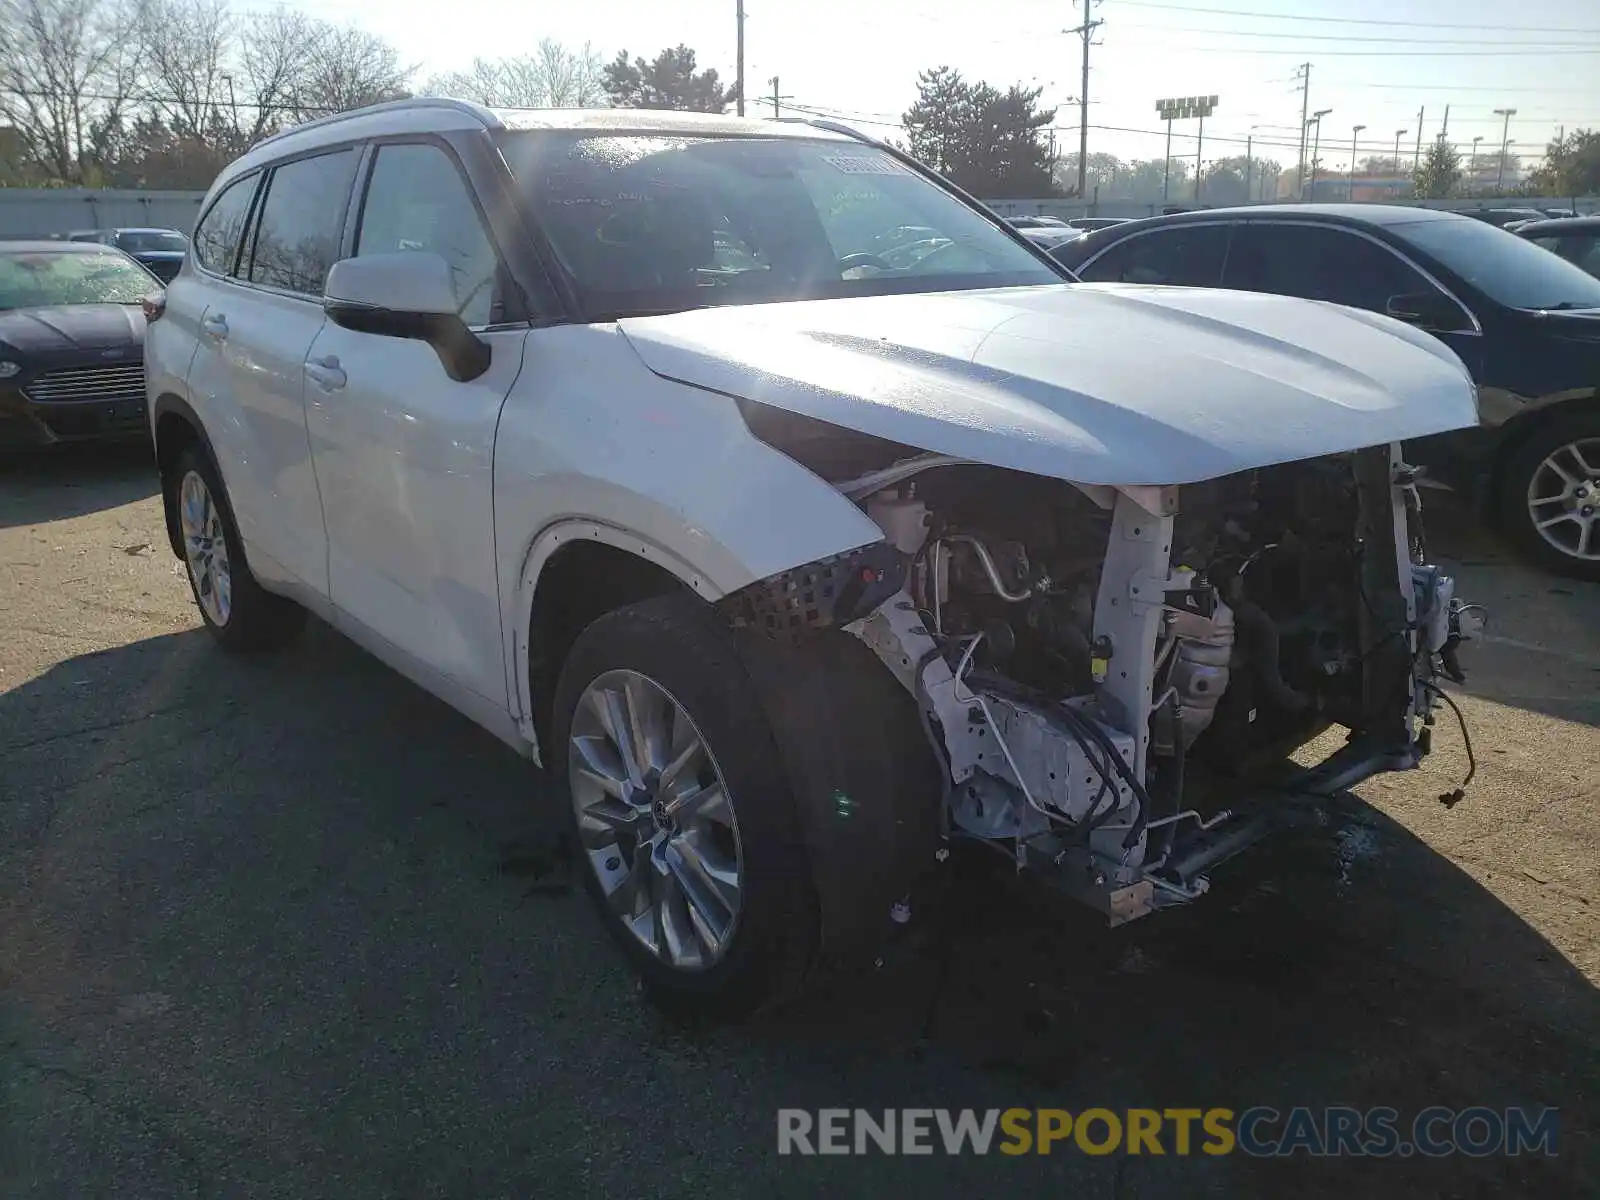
(551, 77)
(189, 48)
(68, 77)
(572, 78)
(347, 68)
(275, 46)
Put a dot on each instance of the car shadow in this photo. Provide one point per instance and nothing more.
(60, 482)
(312, 925)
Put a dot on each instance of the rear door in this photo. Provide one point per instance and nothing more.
(404, 454)
(1341, 266)
(261, 327)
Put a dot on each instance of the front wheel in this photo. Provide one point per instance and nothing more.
(680, 811)
(1550, 496)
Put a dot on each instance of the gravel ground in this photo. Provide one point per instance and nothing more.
(289, 928)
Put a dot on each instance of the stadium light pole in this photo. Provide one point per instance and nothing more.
(1315, 122)
(1505, 133)
(1355, 131)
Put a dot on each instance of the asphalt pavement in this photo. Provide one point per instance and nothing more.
(294, 928)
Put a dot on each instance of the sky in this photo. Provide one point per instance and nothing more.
(1373, 62)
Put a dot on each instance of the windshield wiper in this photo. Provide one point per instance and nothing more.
(1567, 306)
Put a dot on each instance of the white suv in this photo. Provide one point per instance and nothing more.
(798, 515)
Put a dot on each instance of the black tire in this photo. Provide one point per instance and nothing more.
(256, 620)
(682, 646)
(1518, 472)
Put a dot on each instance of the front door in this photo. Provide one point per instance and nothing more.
(404, 454)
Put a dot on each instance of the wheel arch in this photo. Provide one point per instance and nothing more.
(175, 426)
(576, 571)
(1524, 427)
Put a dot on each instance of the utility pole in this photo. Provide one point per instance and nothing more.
(1350, 192)
(738, 80)
(1198, 142)
(1248, 139)
(1505, 132)
(774, 82)
(1303, 74)
(1086, 32)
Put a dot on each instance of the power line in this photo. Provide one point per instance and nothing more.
(1499, 53)
(1337, 37)
(1268, 16)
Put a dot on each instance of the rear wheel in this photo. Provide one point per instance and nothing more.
(240, 614)
(680, 810)
(1550, 496)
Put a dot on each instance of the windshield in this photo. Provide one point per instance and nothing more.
(149, 241)
(646, 223)
(1508, 269)
(46, 278)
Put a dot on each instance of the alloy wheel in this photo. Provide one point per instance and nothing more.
(1564, 499)
(205, 548)
(655, 819)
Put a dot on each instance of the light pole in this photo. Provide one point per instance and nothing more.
(1249, 158)
(1314, 122)
(1181, 109)
(1505, 133)
(1355, 131)
(1398, 134)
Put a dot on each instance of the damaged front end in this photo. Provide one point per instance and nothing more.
(1111, 679)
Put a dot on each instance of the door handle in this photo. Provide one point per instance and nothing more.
(216, 326)
(326, 373)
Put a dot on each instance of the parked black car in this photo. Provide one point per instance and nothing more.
(160, 251)
(71, 343)
(1577, 240)
(1525, 322)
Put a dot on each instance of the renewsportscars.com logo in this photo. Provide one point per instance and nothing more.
(1259, 1132)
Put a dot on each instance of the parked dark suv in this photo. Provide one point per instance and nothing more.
(1524, 321)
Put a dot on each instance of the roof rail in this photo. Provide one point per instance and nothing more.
(832, 126)
(411, 102)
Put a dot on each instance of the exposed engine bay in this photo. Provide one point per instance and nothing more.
(1113, 678)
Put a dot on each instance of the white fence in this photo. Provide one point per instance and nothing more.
(51, 212)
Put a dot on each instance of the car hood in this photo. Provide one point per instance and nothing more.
(1093, 383)
(72, 327)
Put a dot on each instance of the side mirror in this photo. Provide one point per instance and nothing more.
(1433, 311)
(411, 294)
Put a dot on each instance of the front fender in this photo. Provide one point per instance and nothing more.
(592, 444)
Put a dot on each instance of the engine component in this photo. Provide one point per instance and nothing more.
(1200, 661)
(1057, 769)
(991, 572)
(902, 517)
(1257, 636)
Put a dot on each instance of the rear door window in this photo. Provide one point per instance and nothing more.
(218, 236)
(1319, 263)
(302, 221)
(1190, 255)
